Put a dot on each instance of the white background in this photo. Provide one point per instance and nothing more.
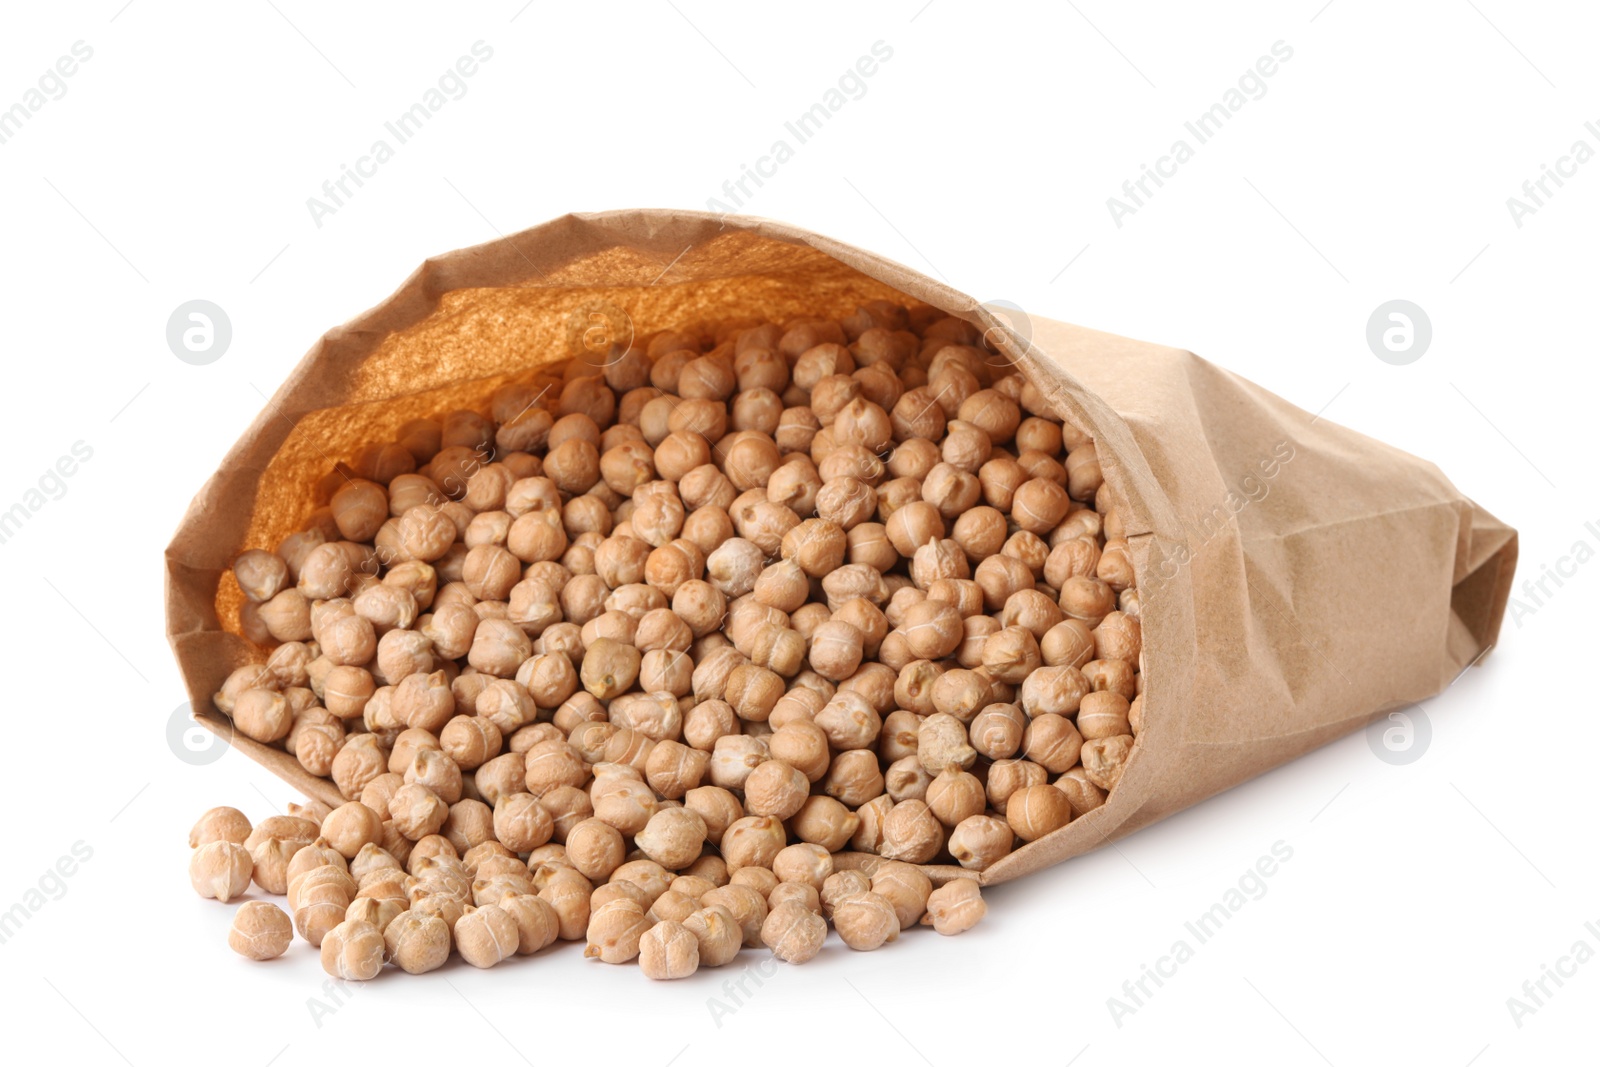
(1377, 166)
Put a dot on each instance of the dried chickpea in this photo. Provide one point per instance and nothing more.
(1103, 714)
(1012, 654)
(567, 892)
(868, 837)
(469, 824)
(538, 923)
(836, 650)
(854, 777)
(955, 907)
(1053, 742)
(1037, 810)
(932, 629)
(1105, 758)
(841, 884)
(351, 826)
(1054, 691)
(220, 824)
(263, 715)
(824, 821)
(905, 887)
(673, 837)
(521, 823)
(775, 788)
(1069, 643)
(911, 833)
(615, 930)
(417, 942)
(942, 743)
(865, 921)
(221, 869)
(753, 841)
(849, 720)
(353, 951)
(954, 796)
(1112, 675)
(669, 950)
(810, 864)
(470, 740)
(793, 932)
(1008, 776)
(718, 934)
(260, 931)
(486, 935)
(1119, 637)
(979, 840)
(594, 848)
(1084, 795)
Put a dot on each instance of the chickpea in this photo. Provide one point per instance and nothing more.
(911, 833)
(951, 490)
(221, 869)
(1054, 690)
(753, 841)
(1087, 599)
(260, 931)
(417, 943)
(905, 887)
(700, 605)
(917, 414)
(914, 525)
(793, 932)
(1083, 472)
(499, 647)
(353, 951)
(423, 701)
(1119, 636)
(609, 668)
(1008, 776)
(1112, 675)
(673, 769)
(868, 837)
(1037, 810)
(594, 848)
(1068, 643)
(1104, 760)
(775, 788)
(978, 841)
(932, 630)
(717, 807)
(673, 837)
(955, 907)
(954, 796)
(849, 720)
(573, 465)
(865, 921)
(797, 429)
(262, 715)
(961, 692)
(1053, 742)
(836, 650)
(1103, 714)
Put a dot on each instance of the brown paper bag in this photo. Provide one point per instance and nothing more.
(1297, 578)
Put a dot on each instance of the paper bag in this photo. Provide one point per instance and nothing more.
(1296, 578)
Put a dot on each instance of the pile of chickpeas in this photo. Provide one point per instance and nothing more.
(699, 645)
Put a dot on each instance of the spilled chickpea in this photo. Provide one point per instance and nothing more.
(698, 648)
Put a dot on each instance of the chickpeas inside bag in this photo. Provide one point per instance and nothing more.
(791, 548)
